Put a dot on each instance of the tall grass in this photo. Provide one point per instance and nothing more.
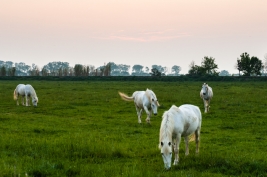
(85, 129)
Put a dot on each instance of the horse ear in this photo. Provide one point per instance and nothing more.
(169, 143)
(161, 143)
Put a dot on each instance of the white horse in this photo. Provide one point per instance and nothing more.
(178, 122)
(143, 100)
(206, 94)
(25, 91)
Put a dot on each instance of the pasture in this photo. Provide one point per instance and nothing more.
(84, 128)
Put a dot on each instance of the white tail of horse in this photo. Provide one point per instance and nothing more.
(126, 97)
(15, 95)
(143, 100)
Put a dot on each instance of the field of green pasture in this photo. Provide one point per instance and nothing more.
(83, 128)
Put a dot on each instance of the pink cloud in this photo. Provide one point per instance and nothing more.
(148, 36)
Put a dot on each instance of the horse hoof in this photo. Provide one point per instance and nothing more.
(175, 163)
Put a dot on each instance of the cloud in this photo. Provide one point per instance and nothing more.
(145, 36)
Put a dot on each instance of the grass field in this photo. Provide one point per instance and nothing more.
(85, 129)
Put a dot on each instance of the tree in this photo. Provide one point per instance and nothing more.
(160, 69)
(175, 70)
(44, 71)
(238, 66)
(53, 68)
(137, 70)
(155, 72)
(119, 69)
(3, 71)
(209, 65)
(22, 69)
(107, 69)
(249, 66)
(34, 71)
(256, 66)
(8, 68)
(224, 73)
(78, 70)
(195, 70)
(265, 63)
(12, 71)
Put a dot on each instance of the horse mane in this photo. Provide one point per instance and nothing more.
(33, 93)
(150, 93)
(167, 125)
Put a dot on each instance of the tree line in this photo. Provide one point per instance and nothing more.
(246, 66)
(64, 69)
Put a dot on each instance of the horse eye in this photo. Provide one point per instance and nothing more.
(152, 99)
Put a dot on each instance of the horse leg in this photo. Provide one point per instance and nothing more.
(177, 141)
(186, 140)
(148, 114)
(27, 100)
(139, 114)
(206, 106)
(197, 139)
(17, 99)
(22, 100)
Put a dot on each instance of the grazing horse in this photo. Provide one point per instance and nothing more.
(206, 94)
(26, 91)
(143, 100)
(178, 122)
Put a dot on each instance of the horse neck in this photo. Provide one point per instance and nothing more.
(148, 94)
(33, 93)
(209, 92)
(207, 96)
(167, 127)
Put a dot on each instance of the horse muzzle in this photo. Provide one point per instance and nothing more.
(167, 166)
(155, 114)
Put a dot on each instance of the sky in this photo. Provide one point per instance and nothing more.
(144, 32)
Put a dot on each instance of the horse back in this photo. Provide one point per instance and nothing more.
(189, 119)
(20, 89)
(140, 98)
(29, 90)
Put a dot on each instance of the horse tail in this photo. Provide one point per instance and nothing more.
(126, 97)
(192, 137)
(15, 95)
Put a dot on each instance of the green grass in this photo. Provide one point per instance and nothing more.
(83, 128)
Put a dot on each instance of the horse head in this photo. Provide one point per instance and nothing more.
(204, 89)
(34, 101)
(166, 153)
(153, 101)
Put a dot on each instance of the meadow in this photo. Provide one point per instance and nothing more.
(83, 128)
